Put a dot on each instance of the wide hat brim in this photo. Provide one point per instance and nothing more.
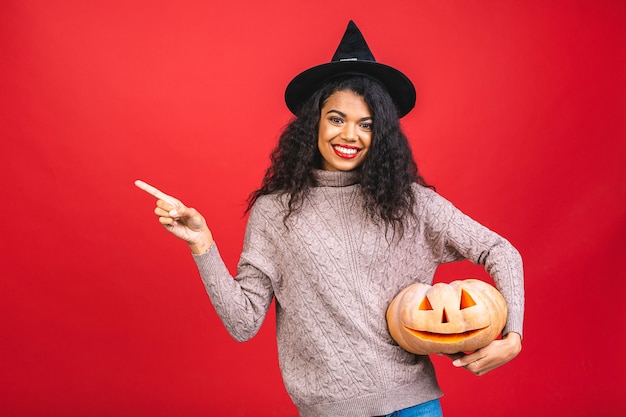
(399, 87)
(352, 57)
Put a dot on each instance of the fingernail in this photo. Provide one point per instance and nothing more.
(174, 213)
(456, 362)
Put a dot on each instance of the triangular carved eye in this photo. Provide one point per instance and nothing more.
(425, 305)
(466, 300)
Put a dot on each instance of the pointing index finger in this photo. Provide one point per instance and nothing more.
(155, 192)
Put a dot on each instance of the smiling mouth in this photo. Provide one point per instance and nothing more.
(444, 338)
(345, 151)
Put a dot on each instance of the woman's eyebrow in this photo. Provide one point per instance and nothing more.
(342, 114)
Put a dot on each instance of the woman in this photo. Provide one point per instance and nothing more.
(342, 222)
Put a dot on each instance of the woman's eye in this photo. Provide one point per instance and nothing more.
(366, 126)
(336, 120)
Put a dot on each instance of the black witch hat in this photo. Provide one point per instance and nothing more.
(353, 56)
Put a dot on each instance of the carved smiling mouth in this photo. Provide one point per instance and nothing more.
(346, 152)
(444, 338)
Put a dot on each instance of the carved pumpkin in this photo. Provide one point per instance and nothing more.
(462, 316)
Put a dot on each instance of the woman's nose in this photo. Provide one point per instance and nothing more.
(349, 132)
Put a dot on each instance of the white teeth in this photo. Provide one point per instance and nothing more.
(347, 151)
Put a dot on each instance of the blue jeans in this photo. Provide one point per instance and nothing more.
(427, 409)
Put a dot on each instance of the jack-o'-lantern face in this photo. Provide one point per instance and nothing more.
(462, 316)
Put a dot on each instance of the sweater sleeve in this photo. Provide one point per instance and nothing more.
(464, 238)
(242, 303)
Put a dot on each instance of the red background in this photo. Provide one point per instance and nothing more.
(520, 122)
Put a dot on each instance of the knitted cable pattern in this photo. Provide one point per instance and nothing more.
(333, 272)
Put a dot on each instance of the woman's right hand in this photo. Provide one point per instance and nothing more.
(183, 222)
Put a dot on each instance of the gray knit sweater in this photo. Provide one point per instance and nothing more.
(333, 273)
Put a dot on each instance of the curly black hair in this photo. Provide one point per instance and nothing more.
(386, 175)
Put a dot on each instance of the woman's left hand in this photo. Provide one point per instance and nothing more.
(495, 354)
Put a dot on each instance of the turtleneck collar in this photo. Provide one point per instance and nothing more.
(336, 178)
